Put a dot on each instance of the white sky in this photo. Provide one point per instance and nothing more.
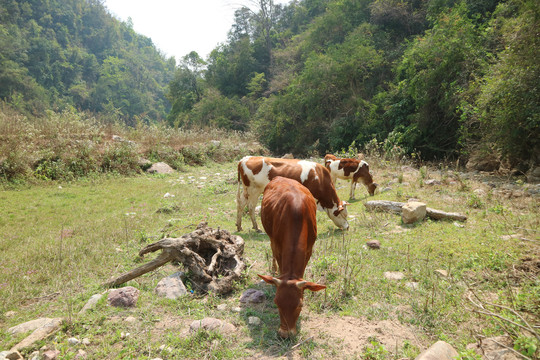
(178, 27)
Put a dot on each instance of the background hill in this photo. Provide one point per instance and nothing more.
(436, 79)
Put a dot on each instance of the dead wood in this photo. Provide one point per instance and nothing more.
(395, 207)
(213, 258)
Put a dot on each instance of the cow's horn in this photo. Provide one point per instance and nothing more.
(301, 284)
(277, 281)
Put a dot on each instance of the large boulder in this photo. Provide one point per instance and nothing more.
(413, 211)
(172, 286)
(160, 168)
(439, 351)
(483, 161)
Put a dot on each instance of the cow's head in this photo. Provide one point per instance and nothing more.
(338, 214)
(367, 178)
(289, 300)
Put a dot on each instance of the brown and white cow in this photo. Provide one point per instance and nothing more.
(255, 172)
(288, 215)
(350, 169)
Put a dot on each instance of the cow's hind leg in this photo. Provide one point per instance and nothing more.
(252, 199)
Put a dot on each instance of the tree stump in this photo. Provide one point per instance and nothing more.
(212, 257)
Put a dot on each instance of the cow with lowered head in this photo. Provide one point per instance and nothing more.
(255, 172)
(288, 215)
(350, 169)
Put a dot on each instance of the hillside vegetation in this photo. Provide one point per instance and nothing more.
(436, 79)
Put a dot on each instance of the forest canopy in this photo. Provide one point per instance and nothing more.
(437, 78)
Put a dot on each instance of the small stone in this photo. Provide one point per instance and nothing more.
(222, 307)
(479, 192)
(130, 319)
(394, 275)
(9, 314)
(412, 285)
(168, 195)
(73, 341)
(253, 320)
(211, 324)
(124, 297)
(124, 335)
(236, 309)
(442, 273)
(86, 341)
(432, 182)
(456, 224)
(51, 354)
(29, 325)
(252, 296)
(33, 356)
(373, 244)
(81, 354)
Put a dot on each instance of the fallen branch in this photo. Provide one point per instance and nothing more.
(395, 207)
(212, 257)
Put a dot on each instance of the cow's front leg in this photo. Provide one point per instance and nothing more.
(353, 186)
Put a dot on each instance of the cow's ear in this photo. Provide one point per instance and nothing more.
(344, 203)
(270, 279)
(310, 286)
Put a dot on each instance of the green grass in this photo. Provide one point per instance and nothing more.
(59, 242)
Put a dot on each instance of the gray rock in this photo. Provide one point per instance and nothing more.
(439, 351)
(160, 168)
(172, 286)
(123, 297)
(33, 356)
(73, 341)
(91, 303)
(412, 212)
(432, 182)
(252, 296)
(394, 275)
(212, 324)
(222, 307)
(29, 326)
(373, 244)
(255, 321)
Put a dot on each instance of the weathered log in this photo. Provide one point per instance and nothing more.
(212, 257)
(395, 207)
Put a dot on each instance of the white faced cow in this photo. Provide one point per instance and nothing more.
(255, 172)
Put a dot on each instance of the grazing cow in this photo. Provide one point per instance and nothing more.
(255, 172)
(352, 169)
(288, 215)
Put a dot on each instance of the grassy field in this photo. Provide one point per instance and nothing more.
(60, 241)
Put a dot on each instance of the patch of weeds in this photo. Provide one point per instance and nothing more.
(409, 350)
(469, 354)
(526, 345)
(201, 344)
(497, 209)
(374, 351)
(475, 201)
(400, 178)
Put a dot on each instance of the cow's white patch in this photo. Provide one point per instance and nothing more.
(307, 166)
(261, 179)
